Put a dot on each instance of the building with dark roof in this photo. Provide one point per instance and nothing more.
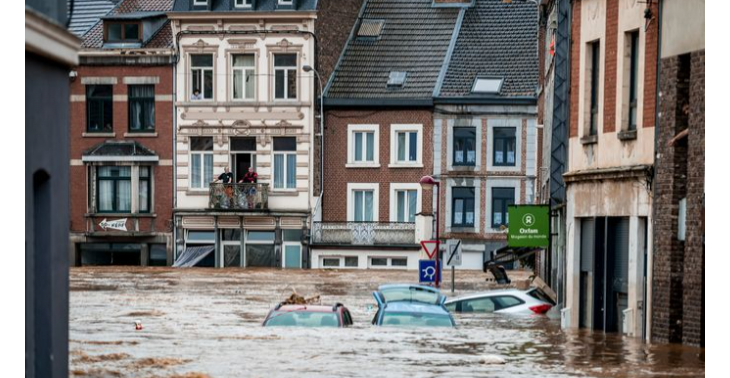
(245, 106)
(423, 87)
(121, 135)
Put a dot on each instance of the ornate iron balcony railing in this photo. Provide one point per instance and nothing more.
(238, 196)
(364, 233)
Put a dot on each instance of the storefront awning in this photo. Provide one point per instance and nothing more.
(193, 255)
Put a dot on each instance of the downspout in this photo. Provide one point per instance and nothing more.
(173, 62)
(650, 272)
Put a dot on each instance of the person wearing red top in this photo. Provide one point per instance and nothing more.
(249, 179)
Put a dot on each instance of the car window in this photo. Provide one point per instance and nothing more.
(507, 301)
(413, 319)
(539, 294)
(302, 319)
(451, 306)
(478, 305)
(346, 317)
(410, 293)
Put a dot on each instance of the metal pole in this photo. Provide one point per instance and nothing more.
(438, 240)
(453, 270)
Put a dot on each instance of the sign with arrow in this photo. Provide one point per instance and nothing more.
(453, 253)
(119, 224)
(430, 247)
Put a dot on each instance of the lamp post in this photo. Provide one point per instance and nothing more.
(308, 68)
(428, 182)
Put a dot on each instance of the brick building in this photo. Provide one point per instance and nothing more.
(378, 135)
(485, 125)
(678, 306)
(121, 136)
(609, 179)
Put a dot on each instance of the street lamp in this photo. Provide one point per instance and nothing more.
(308, 68)
(427, 183)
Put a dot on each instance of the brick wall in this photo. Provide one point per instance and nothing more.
(337, 176)
(610, 67)
(678, 271)
(574, 68)
(650, 58)
(160, 144)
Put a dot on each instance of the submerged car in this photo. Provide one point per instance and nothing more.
(506, 301)
(308, 316)
(411, 306)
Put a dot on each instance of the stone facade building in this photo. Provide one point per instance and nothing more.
(121, 137)
(609, 177)
(243, 101)
(678, 306)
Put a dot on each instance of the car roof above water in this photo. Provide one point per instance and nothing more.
(491, 293)
(309, 308)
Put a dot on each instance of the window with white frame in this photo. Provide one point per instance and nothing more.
(362, 145)
(115, 190)
(285, 76)
(201, 162)
(244, 3)
(339, 262)
(200, 2)
(292, 247)
(285, 163)
(404, 202)
(406, 141)
(389, 262)
(201, 76)
(244, 76)
(362, 202)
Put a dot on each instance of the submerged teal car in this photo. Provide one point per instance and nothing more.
(411, 306)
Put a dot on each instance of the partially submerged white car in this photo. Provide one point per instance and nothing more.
(507, 301)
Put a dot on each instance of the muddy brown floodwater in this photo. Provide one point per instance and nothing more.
(207, 323)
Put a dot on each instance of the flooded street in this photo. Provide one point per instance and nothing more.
(207, 323)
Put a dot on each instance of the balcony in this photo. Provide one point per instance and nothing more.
(238, 196)
(364, 233)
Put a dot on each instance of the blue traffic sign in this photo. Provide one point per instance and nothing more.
(426, 270)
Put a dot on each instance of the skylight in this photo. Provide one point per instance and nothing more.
(370, 28)
(487, 85)
(396, 78)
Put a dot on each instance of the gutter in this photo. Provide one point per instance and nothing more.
(514, 100)
(379, 102)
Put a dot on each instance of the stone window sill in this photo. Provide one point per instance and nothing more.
(359, 165)
(627, 135)
(120, 215)
(98, 135)
(401, 165)
(464, 230)
(590, 139)
(140, 135)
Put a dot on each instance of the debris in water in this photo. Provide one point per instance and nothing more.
(493, 360)
(296, 299)
(137, 325)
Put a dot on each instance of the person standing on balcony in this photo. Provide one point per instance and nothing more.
(226, 177)
(250, 177)
(249, 180)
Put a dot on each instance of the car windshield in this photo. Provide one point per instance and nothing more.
(302, 319)
(539, 294)
(410, 293)
(416, 319)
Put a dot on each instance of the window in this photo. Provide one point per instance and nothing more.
(244, 3)
(389, 262)
(201, 67)
(405, 142)
(399, 262)
(501, 198)
(332, 262)
(378, 261)
(145, 189)
(364, 146)
(363, 205)
(123, 32)
(114, 189)
(99, 108)
(462, 207)
(201, 162)
(141, 108)
(200, 2)
(397, 78)
(285, 76)
(633, 77)
(487, 85)
(465, 140)
(285, 163)
(351, 261)
(594, 85)
(244, 77)
(406, 204)
(370, 28)
(484, 305)
(406, 146)
(504, 146)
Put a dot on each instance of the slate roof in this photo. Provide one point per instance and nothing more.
(119, 148)
(496, 39)
(259, 6)
(139, 9)
(86, 13)
(414, 38)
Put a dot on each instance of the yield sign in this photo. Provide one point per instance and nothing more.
(430, 247)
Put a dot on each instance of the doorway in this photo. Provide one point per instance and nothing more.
(243, 156)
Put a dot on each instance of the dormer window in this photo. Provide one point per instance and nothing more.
(200, 2)
(396, 79)
(123, 32)
(243, 3)
(286, 2)
(487, 85)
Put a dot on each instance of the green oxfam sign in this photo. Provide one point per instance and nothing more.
(529, 226)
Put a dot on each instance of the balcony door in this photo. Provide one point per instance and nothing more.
(243, 156)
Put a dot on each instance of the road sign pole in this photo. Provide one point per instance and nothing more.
(453, 280)
(438, 237)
